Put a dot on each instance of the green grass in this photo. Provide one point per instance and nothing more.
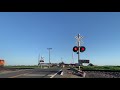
(100, 67)
(22, 66)
(27, 67)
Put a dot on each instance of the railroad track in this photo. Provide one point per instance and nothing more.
(102, 73)
(104, 70)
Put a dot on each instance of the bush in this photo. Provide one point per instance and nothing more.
(90, 64)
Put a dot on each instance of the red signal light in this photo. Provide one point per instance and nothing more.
(75, 48)
(82, 49)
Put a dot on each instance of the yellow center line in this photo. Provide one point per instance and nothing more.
(18, 75)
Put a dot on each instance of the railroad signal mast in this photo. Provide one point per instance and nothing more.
(40, 61)
(79, 48)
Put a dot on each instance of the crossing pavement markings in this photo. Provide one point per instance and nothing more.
(55, 74)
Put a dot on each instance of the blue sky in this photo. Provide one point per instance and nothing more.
(23, 35)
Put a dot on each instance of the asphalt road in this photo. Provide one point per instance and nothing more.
(31, 73)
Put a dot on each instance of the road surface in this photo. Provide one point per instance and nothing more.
(31, 73)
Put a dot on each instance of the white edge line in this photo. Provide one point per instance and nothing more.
(61, 73)
(84, 75)
(55, 74)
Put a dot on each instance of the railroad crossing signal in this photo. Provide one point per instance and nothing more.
(76, 49)
(41, 60)
(79, 48)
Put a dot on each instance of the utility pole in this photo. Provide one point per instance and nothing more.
(79, 38)
(61, 59)
(49, 56)
(72, 57)
(38, 60)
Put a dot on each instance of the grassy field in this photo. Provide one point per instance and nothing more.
(100, 68)
(28, 67)
(22, 66)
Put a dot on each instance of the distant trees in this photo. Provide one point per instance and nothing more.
(62, 63)
(90, 64)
